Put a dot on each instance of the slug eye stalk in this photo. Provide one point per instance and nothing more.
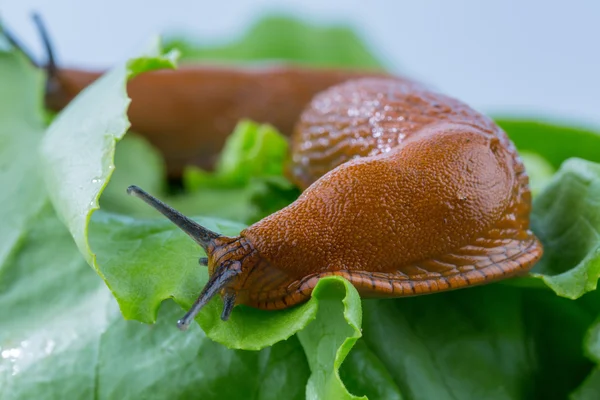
(51, 67)
(16, 43)
(200, 234)
(54, 86)
(222, 276)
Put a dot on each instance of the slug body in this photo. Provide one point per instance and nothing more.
(407, 192)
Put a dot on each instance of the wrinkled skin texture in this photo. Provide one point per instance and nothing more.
(407, 192)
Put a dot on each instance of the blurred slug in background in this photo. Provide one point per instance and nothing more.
(406, 191)
(188, 113)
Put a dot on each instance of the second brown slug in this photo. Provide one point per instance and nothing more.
(188, 113)
(406, 191)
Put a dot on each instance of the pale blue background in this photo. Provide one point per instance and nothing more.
(533, 57)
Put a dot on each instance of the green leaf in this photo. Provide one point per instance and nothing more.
(287, 39)
(554, 142)
(146, 261)
(142, 261)
(165, 364)
(363, 373)
(539, 170)
(252, 151)
(63, 337)
(21, 130)
(566, 218)
(78, 149)
(329, 338)
(565, 214)
(559, 355)
(248, 182)
(590, 389)
(140, 163)
(53, 311)
(493, 342)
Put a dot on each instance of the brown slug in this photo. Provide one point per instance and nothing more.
(406, 191)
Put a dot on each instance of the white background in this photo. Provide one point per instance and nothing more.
(531, 57)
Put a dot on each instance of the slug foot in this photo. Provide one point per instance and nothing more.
(469, 266)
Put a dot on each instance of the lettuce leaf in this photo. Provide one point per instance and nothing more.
(282, 38)
(329, 338)
(566, 218)
(77, 151)
(590, 389)
(63, 336)
(555, 142)
(20, 132)
(252, 151)
(491, 342)
(62, 331)
(565, 212)
(540, 171)
(251, 165)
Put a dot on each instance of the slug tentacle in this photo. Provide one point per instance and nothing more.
(228, 304)
(51, 67)
(16, 43)
(230, 260)
(200, 234)
(223, 276)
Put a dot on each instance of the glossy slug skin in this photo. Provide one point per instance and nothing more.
(423, 194)
(407, 192)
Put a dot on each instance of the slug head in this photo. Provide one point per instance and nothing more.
(225, 261)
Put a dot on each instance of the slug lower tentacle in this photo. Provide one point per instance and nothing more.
(407, 192)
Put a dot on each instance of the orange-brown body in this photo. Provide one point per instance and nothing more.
(407, 192)
(188, 113)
